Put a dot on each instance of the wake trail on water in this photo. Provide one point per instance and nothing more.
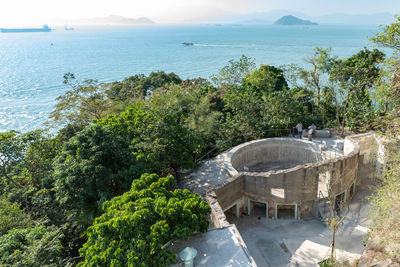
(226, 45)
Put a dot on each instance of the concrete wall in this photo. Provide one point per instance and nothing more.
(273, 150)
(298, 185)
(231, 191)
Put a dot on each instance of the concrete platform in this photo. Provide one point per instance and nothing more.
(218, 247)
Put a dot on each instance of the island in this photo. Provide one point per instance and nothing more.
(292, 20)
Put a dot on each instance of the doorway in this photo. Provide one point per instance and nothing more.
(340, 199)
(257, 207)
(286, 211)
(232, 211)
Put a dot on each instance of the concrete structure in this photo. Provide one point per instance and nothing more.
(264, 180)
(298, 190)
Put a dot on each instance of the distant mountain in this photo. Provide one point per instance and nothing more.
(269, 16)
(292, 20)
(118, 20)
(249, 18)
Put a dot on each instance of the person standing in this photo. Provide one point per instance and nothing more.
(314, 129)
(311, 131)
(299, 128)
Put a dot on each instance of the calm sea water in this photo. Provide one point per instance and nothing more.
(32, 64)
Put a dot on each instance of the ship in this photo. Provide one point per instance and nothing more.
(45, 28)
(187, 43)
(68, 28)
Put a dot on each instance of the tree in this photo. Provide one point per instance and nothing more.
(136, 225)
(12, 148)
(85, 102)
(388, 91)
(354, 77)
(234, 72)
(139, 86)
(11, 216)
(156, 130)
(266, 79)
(33, 247)
(316, 80)
(321, 62)
(93, 167)
(389, 35)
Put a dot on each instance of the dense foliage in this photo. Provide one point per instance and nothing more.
(386, 198)
(136, 225)
(34, 247)
(80, 188)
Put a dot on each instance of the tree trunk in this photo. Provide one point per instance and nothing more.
(333, 242)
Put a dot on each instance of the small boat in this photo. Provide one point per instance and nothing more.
(187, 43)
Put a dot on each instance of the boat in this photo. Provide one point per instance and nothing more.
(187, 43)
(68, 29)
(45, 28)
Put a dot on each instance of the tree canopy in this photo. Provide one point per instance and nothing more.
(136, 225)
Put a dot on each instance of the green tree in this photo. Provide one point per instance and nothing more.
(26, 175)
(136, 225)
(354, 78)
(266, 79)
(85, 102)
(93, 167)
(388, 91)
(316, 80)
(12, 148)
(11, 216)
(139, 86)
(234, 72)
(157, 134)
(33, 247)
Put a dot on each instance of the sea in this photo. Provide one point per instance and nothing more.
(32, 65)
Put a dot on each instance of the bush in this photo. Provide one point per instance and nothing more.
(137, 224)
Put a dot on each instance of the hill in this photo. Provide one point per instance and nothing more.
(118, 20)
(292, 20)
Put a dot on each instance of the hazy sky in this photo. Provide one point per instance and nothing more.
(24, 12)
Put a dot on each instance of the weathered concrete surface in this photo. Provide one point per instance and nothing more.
(319, 134)
(218, 247)
(216, 171)
(299, 242)
(273, 150)
(303, 240)
(266, 238)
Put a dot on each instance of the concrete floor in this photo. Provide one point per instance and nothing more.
(286, 242)
(272, 166)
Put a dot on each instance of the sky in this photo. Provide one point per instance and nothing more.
(37, 12)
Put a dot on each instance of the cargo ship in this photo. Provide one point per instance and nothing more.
(45, 28)
(68, 28)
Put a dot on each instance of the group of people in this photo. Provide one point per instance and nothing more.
(311, 130)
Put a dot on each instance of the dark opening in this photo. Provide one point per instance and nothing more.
(286, 211)
(258, 209)
(339, 201)
(352, 191)
(231, 213)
